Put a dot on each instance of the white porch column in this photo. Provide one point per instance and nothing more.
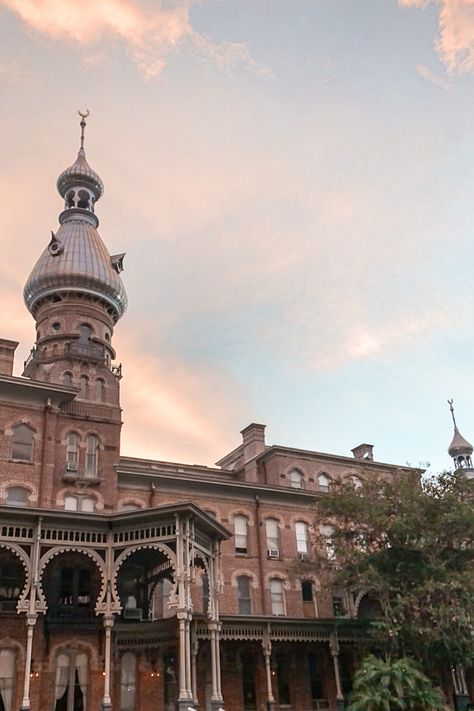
(267, 653)
(108, 624)
(334, 648)
(194, 653)
(31, 617)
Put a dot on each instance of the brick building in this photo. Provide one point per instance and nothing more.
(134, 584)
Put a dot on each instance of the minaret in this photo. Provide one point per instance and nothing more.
(75, 294)
(460, 449)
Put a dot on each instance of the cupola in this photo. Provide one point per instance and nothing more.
(460, 449)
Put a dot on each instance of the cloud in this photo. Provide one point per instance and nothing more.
(455, 43)
(426, 73)
(13, 72)
(151, 31)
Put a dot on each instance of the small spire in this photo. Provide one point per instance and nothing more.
(451, 407)
(83, 115)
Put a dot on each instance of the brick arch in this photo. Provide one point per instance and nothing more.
(132, 499)
(53, 553)
(10, 643)
(74, 643)
(295, 467)
(22, 421)
(23, 485)
(275, 517)
(302, 518)
(279, 576)
(244, 572)
(97, 434)
(241, 511)
(17, 550)
(69, 490)
(71, 429)
(312, 577)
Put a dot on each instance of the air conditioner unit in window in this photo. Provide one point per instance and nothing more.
(273, 553)
(71, 467)
(302, 556)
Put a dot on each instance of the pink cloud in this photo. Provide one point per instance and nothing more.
(150, 31)
(455, 44)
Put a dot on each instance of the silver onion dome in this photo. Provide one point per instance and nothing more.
(77, 260)
(80, 174)
(459, 445)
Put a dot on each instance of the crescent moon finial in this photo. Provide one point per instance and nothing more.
(83, 115)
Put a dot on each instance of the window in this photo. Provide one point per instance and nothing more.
(324, 483)
(12, 580)
(328, 532)
(205, 593)
(283, 680)
(83, 387)
(355, 481)
(249, 666)
(75, 587)
(128, 681)
(243, 594)
(22, 443)
(7, 676)
(301, 530)
(72, 451)
(99, 390)
(277, 597)
(17, 496)
(85, 333)
(67, 379)
(71, 684)
(79, 503)
(240, 534)
(129, 507)
(338, 607)
(273, 538)
(296, 479)
(307, 590)
(92, 456)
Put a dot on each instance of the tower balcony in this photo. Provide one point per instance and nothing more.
(91, 352)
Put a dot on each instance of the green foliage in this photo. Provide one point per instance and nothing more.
(393, 686)
(412, 544)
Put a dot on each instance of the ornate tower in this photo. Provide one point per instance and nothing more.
(75, 294)
(460, 449)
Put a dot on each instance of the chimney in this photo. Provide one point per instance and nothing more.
(253, 437)
(364, 451)
(7, 356)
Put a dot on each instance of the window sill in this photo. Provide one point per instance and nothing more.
(20, 461)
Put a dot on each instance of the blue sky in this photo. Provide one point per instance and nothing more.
(292, 182)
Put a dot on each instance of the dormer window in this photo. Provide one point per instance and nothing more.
(296, 479)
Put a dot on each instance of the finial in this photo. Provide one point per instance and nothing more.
(451, 407)
(83, 115)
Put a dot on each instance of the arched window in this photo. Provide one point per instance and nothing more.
(307, 591)
(22, 443)
(355, 481)
(129, 507)
(301, 530)
(205, 593)
(128, 681)
(17, 496)
(328, 532)
(72, 451)
(240, 534)
(99, 390)
(67, 379)
(277, 596)
(324, 482)
(85, 333)
(12, 580)
(296, 479)
(243, 594)
(71, 684)
(92, 456)
(273, 538)
(83, 387)
(7, 678)
(79, 503)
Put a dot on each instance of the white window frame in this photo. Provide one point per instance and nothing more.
(324, 483)
(296, 479)
(241, 534)
(277, 597)
(272, 532)
(92, 456)
(302, 537)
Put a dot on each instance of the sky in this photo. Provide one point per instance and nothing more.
(292, 182)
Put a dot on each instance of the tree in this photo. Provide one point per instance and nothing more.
(410, 542)
(393, 686)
